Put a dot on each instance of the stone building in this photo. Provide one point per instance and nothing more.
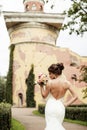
(34, 34)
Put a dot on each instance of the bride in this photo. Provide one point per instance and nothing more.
(55, 87)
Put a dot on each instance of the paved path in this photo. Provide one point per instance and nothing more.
(32, 122)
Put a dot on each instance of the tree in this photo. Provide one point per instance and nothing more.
(78, 17)
(78, 24)
(30, 81)
(2, 89)
(83, 77)
(9, 85)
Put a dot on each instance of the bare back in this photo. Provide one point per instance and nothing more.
(58, 88)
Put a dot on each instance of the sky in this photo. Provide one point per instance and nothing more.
(75, 43)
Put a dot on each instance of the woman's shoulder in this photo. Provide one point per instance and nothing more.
(49, 83)
(67, 84)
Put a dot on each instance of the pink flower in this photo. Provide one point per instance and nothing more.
(42, 79)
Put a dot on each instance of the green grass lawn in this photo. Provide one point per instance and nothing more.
(65, 120)
(16, 125)
(84, 123)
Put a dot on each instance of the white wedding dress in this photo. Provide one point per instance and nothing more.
(54, 114)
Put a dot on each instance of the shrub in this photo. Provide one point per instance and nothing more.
(79, 105)
(41, 108)
(73, 113)
(2, 89)
(5, 116)
(76, 113)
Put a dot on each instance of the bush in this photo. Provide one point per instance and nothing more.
(79, 105)
(2, 89)
(41, 108)
(76, 113)
(5, 116)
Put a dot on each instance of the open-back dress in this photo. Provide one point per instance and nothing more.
(54, 114)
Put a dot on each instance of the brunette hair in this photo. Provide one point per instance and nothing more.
(56, 68)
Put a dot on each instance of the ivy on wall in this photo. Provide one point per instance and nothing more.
(30, 81)
(9, 85)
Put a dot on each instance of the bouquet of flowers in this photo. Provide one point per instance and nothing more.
(42, 79)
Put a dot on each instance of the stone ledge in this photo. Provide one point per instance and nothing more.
(13, 18)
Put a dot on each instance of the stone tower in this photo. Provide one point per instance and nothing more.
(34, 35)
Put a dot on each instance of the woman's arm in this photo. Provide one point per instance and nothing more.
(44, 85)
(74, 96)
(44, 90)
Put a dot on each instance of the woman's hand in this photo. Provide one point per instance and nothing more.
(42, 79)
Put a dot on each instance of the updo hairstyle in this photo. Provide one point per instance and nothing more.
(56, 68)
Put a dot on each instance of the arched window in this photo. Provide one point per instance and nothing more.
(20, 102)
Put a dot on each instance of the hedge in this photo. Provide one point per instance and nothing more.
(79, 105)
(5, 116)
(41, 108)
(76, 113)
(73, 113)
